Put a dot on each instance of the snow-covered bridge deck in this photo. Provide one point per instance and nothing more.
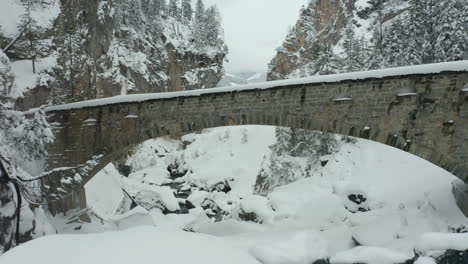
(458, 66)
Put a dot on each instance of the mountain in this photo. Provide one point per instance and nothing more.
(346, 35)
(242, 78)
(91, 49)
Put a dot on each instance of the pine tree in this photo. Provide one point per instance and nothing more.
(199, 12)
(212, 26)
(422, 30)
(31, 35)
(349, 47)
(375, 60)
(69, 41)
(199, 24)
(174, 10)
(326, 62)
(395, 44)
(187, 11)
(452, 32)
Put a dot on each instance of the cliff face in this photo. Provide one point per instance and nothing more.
(334, 36)
(322, 21)
(105, 48)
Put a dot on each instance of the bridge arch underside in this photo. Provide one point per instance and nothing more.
(431, 123)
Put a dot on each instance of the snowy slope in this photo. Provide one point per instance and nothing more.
(241, 78)
(11, 13)
(139, 245)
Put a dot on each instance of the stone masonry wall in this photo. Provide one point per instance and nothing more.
(430, 121)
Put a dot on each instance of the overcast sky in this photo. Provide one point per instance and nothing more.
(253, 29)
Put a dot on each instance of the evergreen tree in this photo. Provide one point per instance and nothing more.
(422, 30)
(349, 50)
(200, 12)
(159, 7)
(452, 32)
(174, 10)
(199, 24)
(187, 11)
(395, 44)
(375, 51)
(31, 33)
(21, 139)
(212, 26)
(326, 62)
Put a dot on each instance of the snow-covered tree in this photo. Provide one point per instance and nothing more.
(6, 77)
(69, 40)
(452, 31)
(187, 11)
(212, 26)
(395, 44)
(199, 24)
(326, 61)
(375, 51)
(21, 139)
(174, 9)
(30, 27)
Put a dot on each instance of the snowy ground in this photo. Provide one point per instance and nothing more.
(369, 204)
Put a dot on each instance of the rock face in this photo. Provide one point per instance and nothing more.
(108, 48)
(321, 21)
(347, 36)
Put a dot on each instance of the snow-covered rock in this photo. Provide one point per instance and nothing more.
(370, 255)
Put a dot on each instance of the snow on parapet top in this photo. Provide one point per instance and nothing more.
(400, 71)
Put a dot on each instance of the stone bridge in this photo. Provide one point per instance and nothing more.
(422, 110)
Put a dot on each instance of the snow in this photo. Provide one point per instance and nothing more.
(425, 260)
(104, 205)
(12, 10)
(443, 241)
(342, 99)
(137, 245)
(254, 76)
(258, 205)
(406, 94)
(25, 79)
(400, 71)
(370, 255)
(301, 248)
(305, 220)
(234, 154)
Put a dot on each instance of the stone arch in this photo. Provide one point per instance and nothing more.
(430, 123)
